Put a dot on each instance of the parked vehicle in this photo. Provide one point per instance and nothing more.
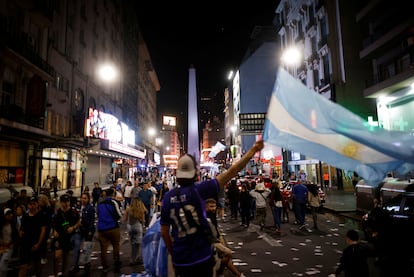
(394, 218)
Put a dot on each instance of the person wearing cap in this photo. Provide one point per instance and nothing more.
(66, 224)
(183, 210)
(260, 194)
(32, 232)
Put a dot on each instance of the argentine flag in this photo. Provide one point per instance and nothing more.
(303, 121)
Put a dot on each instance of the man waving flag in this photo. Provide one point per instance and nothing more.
(301, 120)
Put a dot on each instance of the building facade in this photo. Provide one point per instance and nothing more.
(58, 116)
(388, 47)
(326, 35)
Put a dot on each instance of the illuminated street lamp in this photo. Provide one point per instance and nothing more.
(291, 57)
(107, 73)
(151, 132)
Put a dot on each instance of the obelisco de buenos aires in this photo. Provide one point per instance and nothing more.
(193, 137)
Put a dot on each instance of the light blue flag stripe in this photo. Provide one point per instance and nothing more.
(303, 121)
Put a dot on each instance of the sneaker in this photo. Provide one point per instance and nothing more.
(302, 227)
(43, 261)
(242, 275)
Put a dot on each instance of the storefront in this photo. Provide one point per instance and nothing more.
(12, 162)
(114, 153)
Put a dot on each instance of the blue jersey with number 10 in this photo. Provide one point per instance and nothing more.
(183, 209)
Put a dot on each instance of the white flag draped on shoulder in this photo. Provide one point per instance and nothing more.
(303, 121)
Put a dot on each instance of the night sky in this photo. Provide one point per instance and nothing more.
(211, 35)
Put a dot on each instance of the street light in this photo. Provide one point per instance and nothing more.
(107, 72)
(290, 57)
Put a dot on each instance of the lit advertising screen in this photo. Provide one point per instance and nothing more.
(169, 120)
(106, 126)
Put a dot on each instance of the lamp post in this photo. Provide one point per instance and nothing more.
(233, 147)
(290, 57)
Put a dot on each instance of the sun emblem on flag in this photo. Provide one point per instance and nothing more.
(350, 150)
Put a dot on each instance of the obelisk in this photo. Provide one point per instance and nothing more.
(193, 141)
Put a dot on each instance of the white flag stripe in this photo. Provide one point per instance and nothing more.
(282, 120)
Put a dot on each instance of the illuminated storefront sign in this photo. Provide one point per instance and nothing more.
(115, 134)
(126, 150)
(106, 126)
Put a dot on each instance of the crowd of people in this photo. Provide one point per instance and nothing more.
(31, 226)
(67, 226)
(251, 200)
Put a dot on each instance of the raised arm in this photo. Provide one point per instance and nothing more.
(225, 177)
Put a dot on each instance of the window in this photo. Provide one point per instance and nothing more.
(9, 87)
(61, 83)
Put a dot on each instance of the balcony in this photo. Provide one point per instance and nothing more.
(15, 113)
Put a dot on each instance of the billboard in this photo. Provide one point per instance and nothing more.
(169, 121)
(107, 126)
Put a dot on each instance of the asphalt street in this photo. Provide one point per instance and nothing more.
(293, 252)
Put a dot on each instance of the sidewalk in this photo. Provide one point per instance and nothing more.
(342, 202)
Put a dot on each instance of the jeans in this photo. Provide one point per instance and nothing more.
(87, 251)
(4, 262)
(77, 241)
(277, 216)
(135, 238)
(245, 215)
(234, 209)
(300, 211)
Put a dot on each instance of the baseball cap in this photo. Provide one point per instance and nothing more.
(64, 198)
(7, 210)
(186, 168)
(260, 186)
